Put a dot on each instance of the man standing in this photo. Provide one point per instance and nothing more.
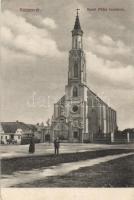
(32, 145)
(56, 145)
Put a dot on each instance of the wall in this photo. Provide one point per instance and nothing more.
(4, 138)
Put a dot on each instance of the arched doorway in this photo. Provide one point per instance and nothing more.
(47, 137)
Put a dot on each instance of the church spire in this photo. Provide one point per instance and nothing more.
(77, 34)
(77, 22)
(77, 27)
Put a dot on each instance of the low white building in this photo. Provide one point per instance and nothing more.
(15, 133)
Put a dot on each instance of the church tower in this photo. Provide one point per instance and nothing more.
(77, 66)
(80, 115)
(76, 92)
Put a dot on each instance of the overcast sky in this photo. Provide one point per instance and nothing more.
(35, 48)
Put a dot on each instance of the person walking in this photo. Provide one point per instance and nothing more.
(56, 146)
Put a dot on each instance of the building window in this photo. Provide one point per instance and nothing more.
(12, 136)
(19, 136)
(75, 108)
(1, 137)
(62, 120)
(75, 92)
(6, 137)
(75, 134)
(75, 70)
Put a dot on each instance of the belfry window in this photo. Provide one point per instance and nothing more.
(76, 70)
(75, 92)
(76, 43)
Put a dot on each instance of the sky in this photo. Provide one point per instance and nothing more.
(35, 49)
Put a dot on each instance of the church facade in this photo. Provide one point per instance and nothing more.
(80, 115)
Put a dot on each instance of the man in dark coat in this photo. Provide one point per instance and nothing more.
(56, 145)
(32, 146)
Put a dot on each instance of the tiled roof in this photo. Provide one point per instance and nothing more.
(11, 127)
(32, 127)
(62, 100)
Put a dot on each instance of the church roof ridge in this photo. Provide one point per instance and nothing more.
(99, 98)
(61, 100)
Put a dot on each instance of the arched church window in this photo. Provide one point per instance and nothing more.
(75, 69)
(76, 43)
(75, 92)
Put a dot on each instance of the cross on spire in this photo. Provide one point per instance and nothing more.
(77, 11)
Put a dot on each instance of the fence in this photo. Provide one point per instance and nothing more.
(122, 138)
(113, 138)
(102, 138)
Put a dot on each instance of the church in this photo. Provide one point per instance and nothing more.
(80, 115)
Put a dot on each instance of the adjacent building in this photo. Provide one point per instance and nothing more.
(18, 133)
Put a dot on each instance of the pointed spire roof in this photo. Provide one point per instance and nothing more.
(77, 27)
(77, 23)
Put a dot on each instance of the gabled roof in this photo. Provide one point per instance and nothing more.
(98, 98)
(61, 101)
(11, 127)
(32, 127)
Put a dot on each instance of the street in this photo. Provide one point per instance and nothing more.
(21, 169)
(9, 151)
